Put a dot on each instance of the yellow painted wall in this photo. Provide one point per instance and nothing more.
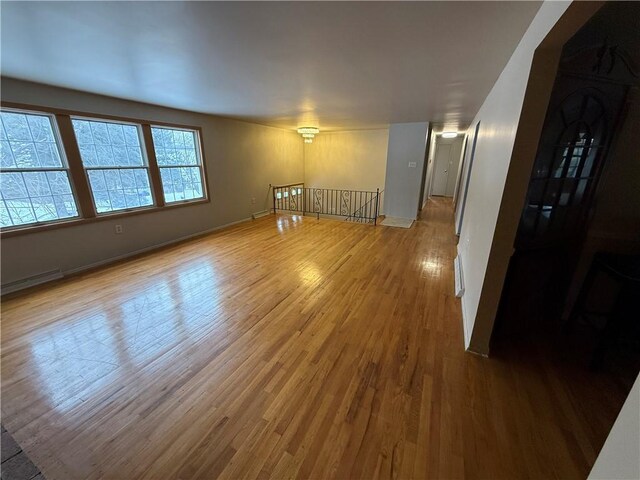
(353, 160)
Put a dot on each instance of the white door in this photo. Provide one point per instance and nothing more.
(452, 173)
(441, 171)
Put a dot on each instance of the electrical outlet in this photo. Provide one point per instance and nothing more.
(412, 164)
(118, 229)
(253, 200)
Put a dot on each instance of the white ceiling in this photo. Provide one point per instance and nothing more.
(339, 65)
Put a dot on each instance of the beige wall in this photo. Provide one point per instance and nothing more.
(485, 246)
(242, 160)
(354, 160)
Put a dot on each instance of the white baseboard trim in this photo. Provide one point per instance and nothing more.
(45, 278)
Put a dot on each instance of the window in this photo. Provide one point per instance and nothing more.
(112, 156)
(178, 155)
(59, 169)
(34, 175)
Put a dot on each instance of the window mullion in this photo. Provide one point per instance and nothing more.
(154, 170)
(76, 169)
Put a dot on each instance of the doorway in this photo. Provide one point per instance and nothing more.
(446, 164)
(582, 199)
(424, 190)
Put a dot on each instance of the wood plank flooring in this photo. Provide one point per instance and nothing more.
(286, 347)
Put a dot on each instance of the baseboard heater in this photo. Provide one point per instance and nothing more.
(457, 269)
(31, 281)
(263, 213)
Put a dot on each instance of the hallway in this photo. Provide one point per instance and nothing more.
(286, 347)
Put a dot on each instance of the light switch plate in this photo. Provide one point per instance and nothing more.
(412, 164)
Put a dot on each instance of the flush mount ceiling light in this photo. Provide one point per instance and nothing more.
(449, 134)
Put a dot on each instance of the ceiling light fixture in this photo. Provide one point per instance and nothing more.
(449, 134)
(313, 130)
(308, 133)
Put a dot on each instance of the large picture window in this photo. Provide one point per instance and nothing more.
(178, 156)
(61, 168)
(117, 169)
(34, 174)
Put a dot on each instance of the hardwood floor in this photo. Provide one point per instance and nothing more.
(287, 347)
